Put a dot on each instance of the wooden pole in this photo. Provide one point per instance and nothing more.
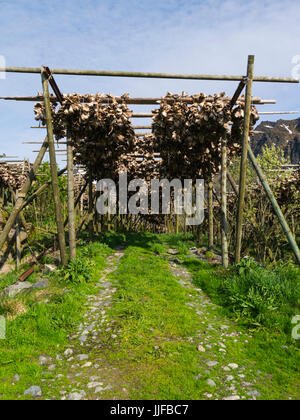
(243, 169)
(148, 75)
(18, 240)
(225, 259)
(91, 208)
(55, 187)
(275, 205)
(210, 216)
(137, 101)
(232, 183)
(71, 204)
(22, 194)
(79, 199)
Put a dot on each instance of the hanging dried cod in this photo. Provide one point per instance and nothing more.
(14, 176)
(189, 136)
(100, 133)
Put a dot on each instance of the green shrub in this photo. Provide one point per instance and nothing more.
(80, 270)
(263, 297)
(157, 248)
(95, 249)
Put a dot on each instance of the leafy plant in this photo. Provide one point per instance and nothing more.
(78, 271)
(247, 266)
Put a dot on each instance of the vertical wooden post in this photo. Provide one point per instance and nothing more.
(243, 169)
(225, 259)
(18, 240)
(55, 188)
(210, 215)
(91, 207)
(71, 205)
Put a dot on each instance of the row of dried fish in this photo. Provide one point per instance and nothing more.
(14, 176)
(100, 133)
(188, 136)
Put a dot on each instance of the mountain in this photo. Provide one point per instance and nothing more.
(283, 134)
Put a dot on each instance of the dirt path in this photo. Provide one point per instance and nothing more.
(78, 373)
(216, 344)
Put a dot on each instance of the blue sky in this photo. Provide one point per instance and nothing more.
(180, 36)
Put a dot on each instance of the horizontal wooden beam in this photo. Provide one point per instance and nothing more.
(133, 101)
(38, 142)
(138, 127)
(278, 112)
(142, 115)
(11, 161)
(147, 75)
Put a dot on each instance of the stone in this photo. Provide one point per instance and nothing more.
(254, 393)
(172, 251)
(43, 360)
(106, 285)
(52, 367)
(35, 391)
(76, 396)
(49, 268)
(94, 378)
(232, 398)
(87, 364)
(82, 357)
(212, 364)
(210, 382)
(16, 289)
(201, 349)
(233, 366)
(41, 284)
(17, 378)
(229, 378)
(68, 352)
(94, 384)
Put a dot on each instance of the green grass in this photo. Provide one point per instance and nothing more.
(263, 302)
(155, 356)
(51, 315)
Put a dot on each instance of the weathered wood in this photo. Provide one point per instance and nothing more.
(18, 240)
(55, 187)
(71, 205)
(21, 214)
(91, 208)
(275, 205)
(22, 194)
(134, 101)
(232, 183)
(243, 169)
(210, 216)
(225, 258)
(148, 75)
